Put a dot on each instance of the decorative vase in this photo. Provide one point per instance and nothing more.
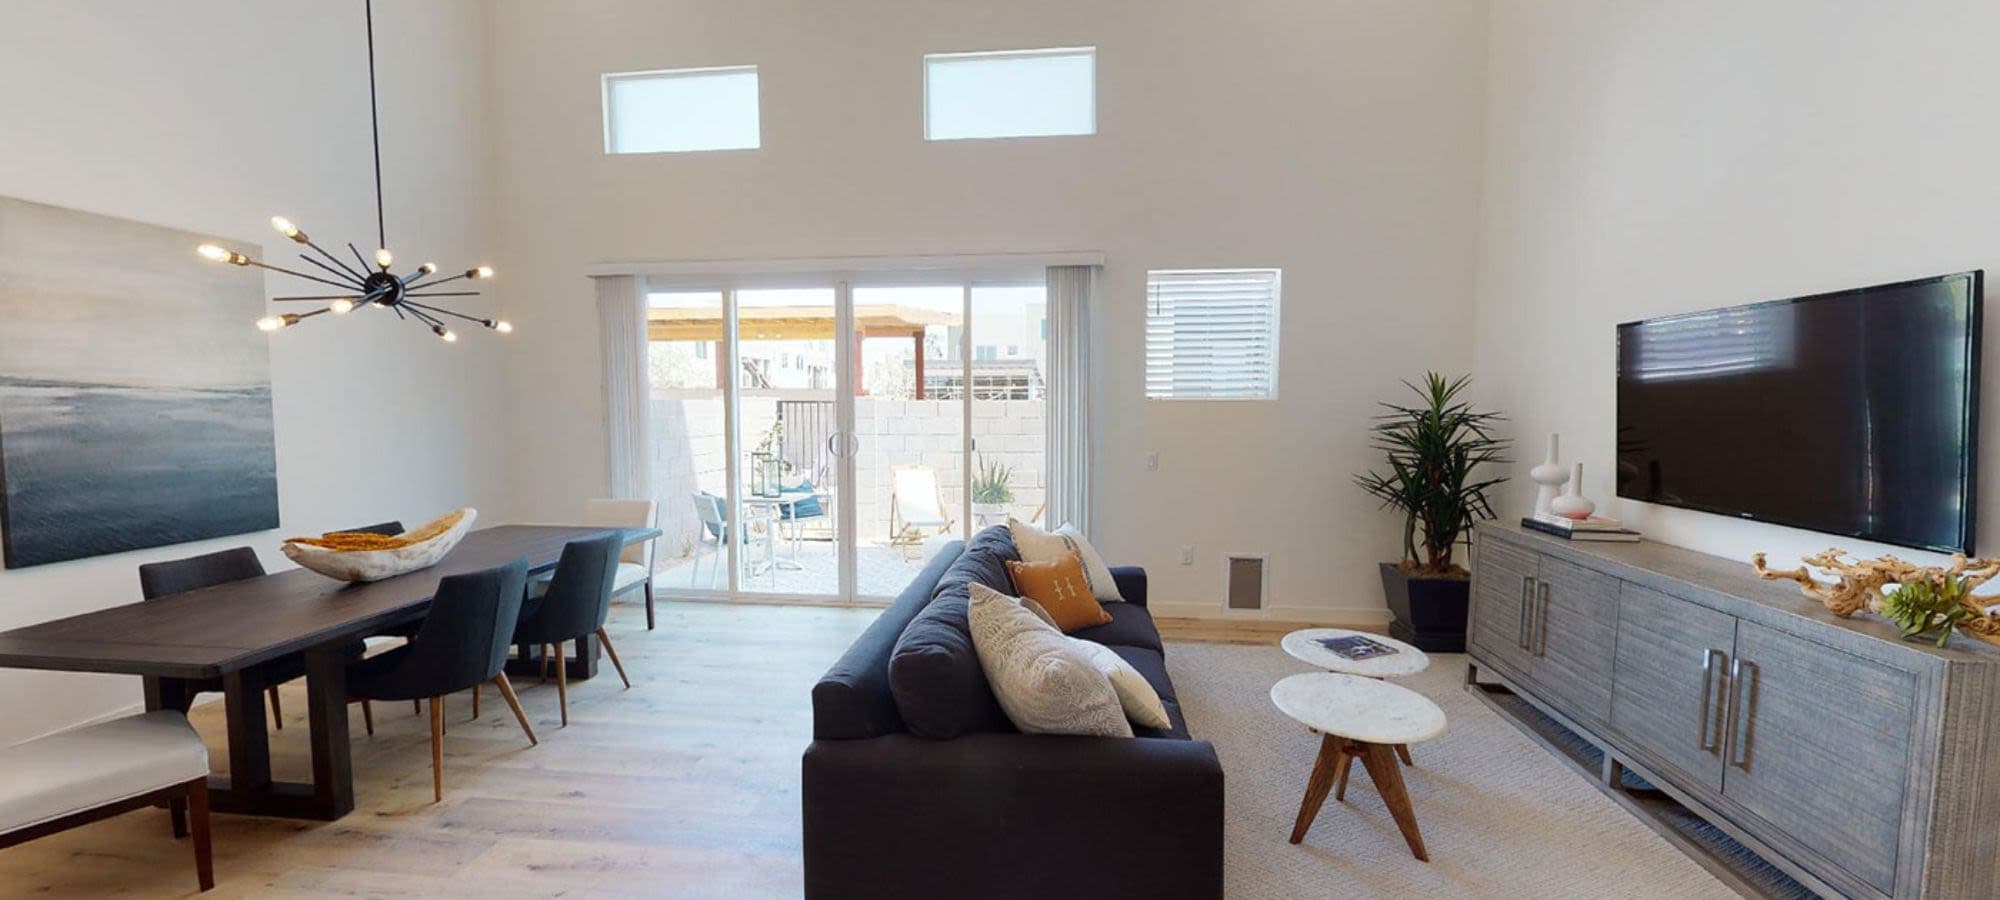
(1551, 476)
(1574, 505)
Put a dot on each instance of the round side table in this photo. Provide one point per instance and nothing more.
(1358, 718)
(1304, 645)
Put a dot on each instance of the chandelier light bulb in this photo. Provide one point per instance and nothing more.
(271, 323)
(213, 252)
(384, 258)
(341, 307)
(481, 272)
(286, 228)
(427, 268)
(503, 326)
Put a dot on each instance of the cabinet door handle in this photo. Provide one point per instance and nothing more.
(1708, 673)
(1739, 735)
(1541, 618)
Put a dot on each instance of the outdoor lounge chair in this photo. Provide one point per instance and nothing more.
(916, 506)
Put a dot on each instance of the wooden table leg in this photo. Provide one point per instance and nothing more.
(1403, 753)
(249, 744)
(1388, 777)
(326, 713)
(1317, 785)
(1347, 754)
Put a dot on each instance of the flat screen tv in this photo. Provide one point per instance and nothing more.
(1852, 413)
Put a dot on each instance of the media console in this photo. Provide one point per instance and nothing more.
(1859, 763)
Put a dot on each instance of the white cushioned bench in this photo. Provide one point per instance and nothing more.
(75, 777)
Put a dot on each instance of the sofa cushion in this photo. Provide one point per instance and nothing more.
(1130, 626)
(1037, 545)
(1142, 703)
(934, 672)
(852, 700)
(1059, 587)
(1047, 683)
(1153, 665)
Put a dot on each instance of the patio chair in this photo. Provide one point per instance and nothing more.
(916, 506)
(714, 517)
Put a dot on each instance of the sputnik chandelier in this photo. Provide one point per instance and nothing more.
(375, 285)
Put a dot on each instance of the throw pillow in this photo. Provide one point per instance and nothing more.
(1036, 545)
(1044, 682)
(1058, 585)
(1142, 703)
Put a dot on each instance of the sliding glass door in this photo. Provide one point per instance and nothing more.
(820, 442)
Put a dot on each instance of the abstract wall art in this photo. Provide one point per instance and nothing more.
(135, 397)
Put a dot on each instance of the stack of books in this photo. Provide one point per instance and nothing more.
(1595, 528)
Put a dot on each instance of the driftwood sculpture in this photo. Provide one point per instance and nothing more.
(1863, 584)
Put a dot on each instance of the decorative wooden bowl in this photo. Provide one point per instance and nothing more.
(356, 556)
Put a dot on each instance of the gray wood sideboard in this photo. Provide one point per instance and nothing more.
(1862, 764)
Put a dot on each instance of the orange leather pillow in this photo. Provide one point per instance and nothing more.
(1060, 587)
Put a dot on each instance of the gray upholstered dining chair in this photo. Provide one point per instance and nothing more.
(462, 644)
(576, 605)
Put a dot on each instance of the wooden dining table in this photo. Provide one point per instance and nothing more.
(235, 631)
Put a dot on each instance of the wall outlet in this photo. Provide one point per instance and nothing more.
(1153, 462)
(1187, 555)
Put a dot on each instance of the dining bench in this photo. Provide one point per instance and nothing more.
(83, 775)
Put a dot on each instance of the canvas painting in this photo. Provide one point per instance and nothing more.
(135, 392)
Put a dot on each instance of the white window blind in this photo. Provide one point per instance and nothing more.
(681, 110)
(1212, 334)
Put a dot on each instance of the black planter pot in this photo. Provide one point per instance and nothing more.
(1426, 612)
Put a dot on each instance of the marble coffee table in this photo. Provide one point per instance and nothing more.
(1304, 645)
(1358, 718)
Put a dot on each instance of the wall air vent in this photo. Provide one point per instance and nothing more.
(1242, 582)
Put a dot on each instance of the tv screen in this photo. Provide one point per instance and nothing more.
(1852, 413)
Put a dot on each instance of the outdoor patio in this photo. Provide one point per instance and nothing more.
(880, 570)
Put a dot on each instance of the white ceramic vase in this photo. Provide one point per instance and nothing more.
(1574, 505)
(1550, 476)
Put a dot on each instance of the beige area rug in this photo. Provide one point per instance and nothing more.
(1500, 816)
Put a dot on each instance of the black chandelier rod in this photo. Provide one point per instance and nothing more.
(375, 127)
(448, 312)
(447, 294)
(297, 274)
(334, 259)
(337, 273)
(357, 255)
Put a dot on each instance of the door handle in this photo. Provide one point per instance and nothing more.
(832, 445)
(1708, 673)
(1738, 735)
(1541, 618)
(840, 444)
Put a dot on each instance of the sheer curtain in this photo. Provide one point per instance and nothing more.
(621, 317)
(1069, 463)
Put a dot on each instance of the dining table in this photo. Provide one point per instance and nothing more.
(235, 631)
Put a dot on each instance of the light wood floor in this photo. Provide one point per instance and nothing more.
(687, 785)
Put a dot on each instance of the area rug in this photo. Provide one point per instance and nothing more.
(1500, 816)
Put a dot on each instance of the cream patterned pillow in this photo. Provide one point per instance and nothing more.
(1036, 545)
(1142, 703)
(1045, 683)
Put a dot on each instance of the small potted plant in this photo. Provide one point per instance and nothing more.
(992, 490)
(1435, 451)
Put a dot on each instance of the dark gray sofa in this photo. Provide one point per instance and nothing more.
(991, 812)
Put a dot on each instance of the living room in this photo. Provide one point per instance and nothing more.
(828, 295)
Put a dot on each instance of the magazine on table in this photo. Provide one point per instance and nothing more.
(1356, 647)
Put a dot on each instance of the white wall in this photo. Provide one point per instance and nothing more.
(1671, 155)
(212, 116)
(1338, 140)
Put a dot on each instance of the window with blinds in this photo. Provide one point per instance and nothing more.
(1212, 334)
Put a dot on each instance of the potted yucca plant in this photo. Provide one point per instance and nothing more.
(992, 490)
(1436, 451)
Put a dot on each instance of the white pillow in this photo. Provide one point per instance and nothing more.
(1142, 703)
(1036, 545)
(1045, 683)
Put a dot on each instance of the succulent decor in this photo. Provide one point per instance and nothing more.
(1919, 599)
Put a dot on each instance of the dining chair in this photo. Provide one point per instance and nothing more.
(395, 633)
(462, 644)
(178, 576)
(575, 606)
(635, 562)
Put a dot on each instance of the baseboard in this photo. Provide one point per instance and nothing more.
(1335, 616)
(100, 718)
